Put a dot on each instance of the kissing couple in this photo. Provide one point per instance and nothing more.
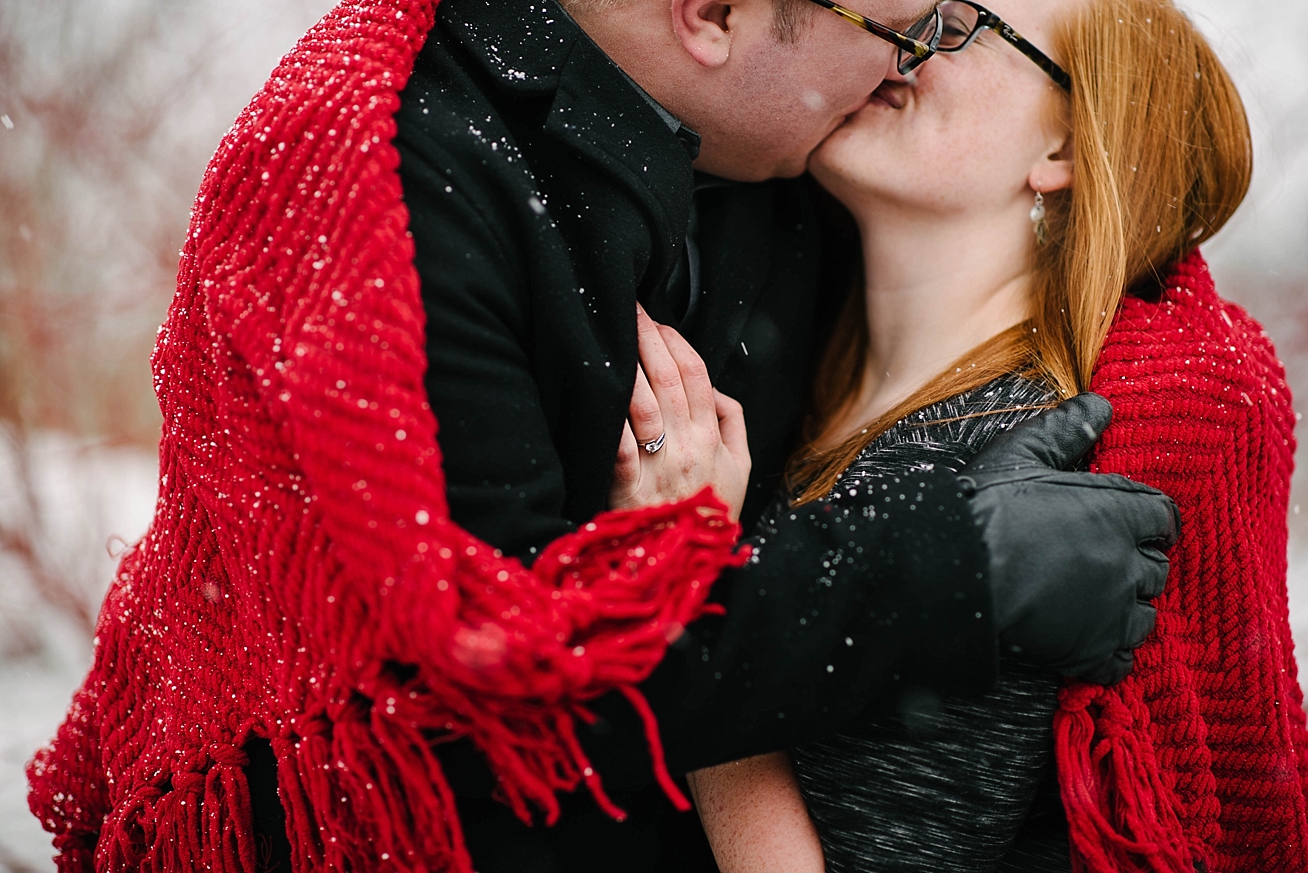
(707, 404)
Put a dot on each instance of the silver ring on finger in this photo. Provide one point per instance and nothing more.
(654, 445)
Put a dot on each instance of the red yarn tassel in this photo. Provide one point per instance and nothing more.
(174, 827)
(226, 810)
(395, 813)
(567, 731)
(306, 794)
(74, 855)
(1121, 818)
(641, 705)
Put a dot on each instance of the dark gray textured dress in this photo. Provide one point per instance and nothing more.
(944, 785)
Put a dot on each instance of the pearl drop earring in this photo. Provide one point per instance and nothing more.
(1038, 219)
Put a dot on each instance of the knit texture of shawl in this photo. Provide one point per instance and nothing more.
(1199, 760)
(301, 579)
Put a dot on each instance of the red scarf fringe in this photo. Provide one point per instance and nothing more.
(301, 580)
(1197, 760)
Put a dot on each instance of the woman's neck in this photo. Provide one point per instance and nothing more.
(936, 287)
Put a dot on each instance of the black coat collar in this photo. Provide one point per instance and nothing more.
(533, 48)
(534, 51)
(523, 44)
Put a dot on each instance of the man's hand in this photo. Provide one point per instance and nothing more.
(1075, 558)
(682, 433)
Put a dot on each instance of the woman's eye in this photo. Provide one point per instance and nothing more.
(954, 31)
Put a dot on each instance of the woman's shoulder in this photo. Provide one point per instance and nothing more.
(1200, 400)
(1191, 359)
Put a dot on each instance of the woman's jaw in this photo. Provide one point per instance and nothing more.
(939, 170)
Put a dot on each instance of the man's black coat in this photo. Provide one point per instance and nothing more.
(548, 195)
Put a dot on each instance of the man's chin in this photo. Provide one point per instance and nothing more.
(836, 126)
(755, 169)
(793, 168)
(796, 163)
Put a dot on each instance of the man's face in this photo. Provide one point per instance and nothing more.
(775, 100)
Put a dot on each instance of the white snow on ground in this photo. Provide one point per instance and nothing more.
(92, 500)
(35, 692)
(92, 494)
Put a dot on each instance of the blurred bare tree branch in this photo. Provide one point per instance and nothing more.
(79, 302)
(81, 147)
(108, 113)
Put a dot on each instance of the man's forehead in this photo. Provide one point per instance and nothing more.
(900, 21)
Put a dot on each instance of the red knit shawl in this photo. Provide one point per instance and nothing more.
(301, 579)
(1201, 754)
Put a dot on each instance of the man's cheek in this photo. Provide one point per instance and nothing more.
(814, 100)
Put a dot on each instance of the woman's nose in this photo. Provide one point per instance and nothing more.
(893, 74)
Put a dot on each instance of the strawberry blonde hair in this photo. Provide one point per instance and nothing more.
(1163, 158)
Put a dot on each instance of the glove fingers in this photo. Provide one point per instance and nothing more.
(1151, 517)
(1112, 671)
(1139, 626)
(1056, 439)
(1149, 569)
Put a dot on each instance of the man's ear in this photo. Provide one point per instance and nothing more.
(703, 28)
(1054, 171)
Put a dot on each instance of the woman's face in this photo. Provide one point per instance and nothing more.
(961, 135)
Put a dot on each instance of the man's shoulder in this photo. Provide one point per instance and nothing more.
(459, 161)
(480, 62)
(446, 113)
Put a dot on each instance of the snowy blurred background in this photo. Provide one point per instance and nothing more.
(109, 110)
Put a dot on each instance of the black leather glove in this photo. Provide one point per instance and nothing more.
(1075, 557)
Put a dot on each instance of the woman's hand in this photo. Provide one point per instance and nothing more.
(682, 434)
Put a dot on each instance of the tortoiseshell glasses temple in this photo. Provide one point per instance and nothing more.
(915, 47)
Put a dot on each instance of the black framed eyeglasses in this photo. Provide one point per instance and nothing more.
(915, 45)
(963, 23)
